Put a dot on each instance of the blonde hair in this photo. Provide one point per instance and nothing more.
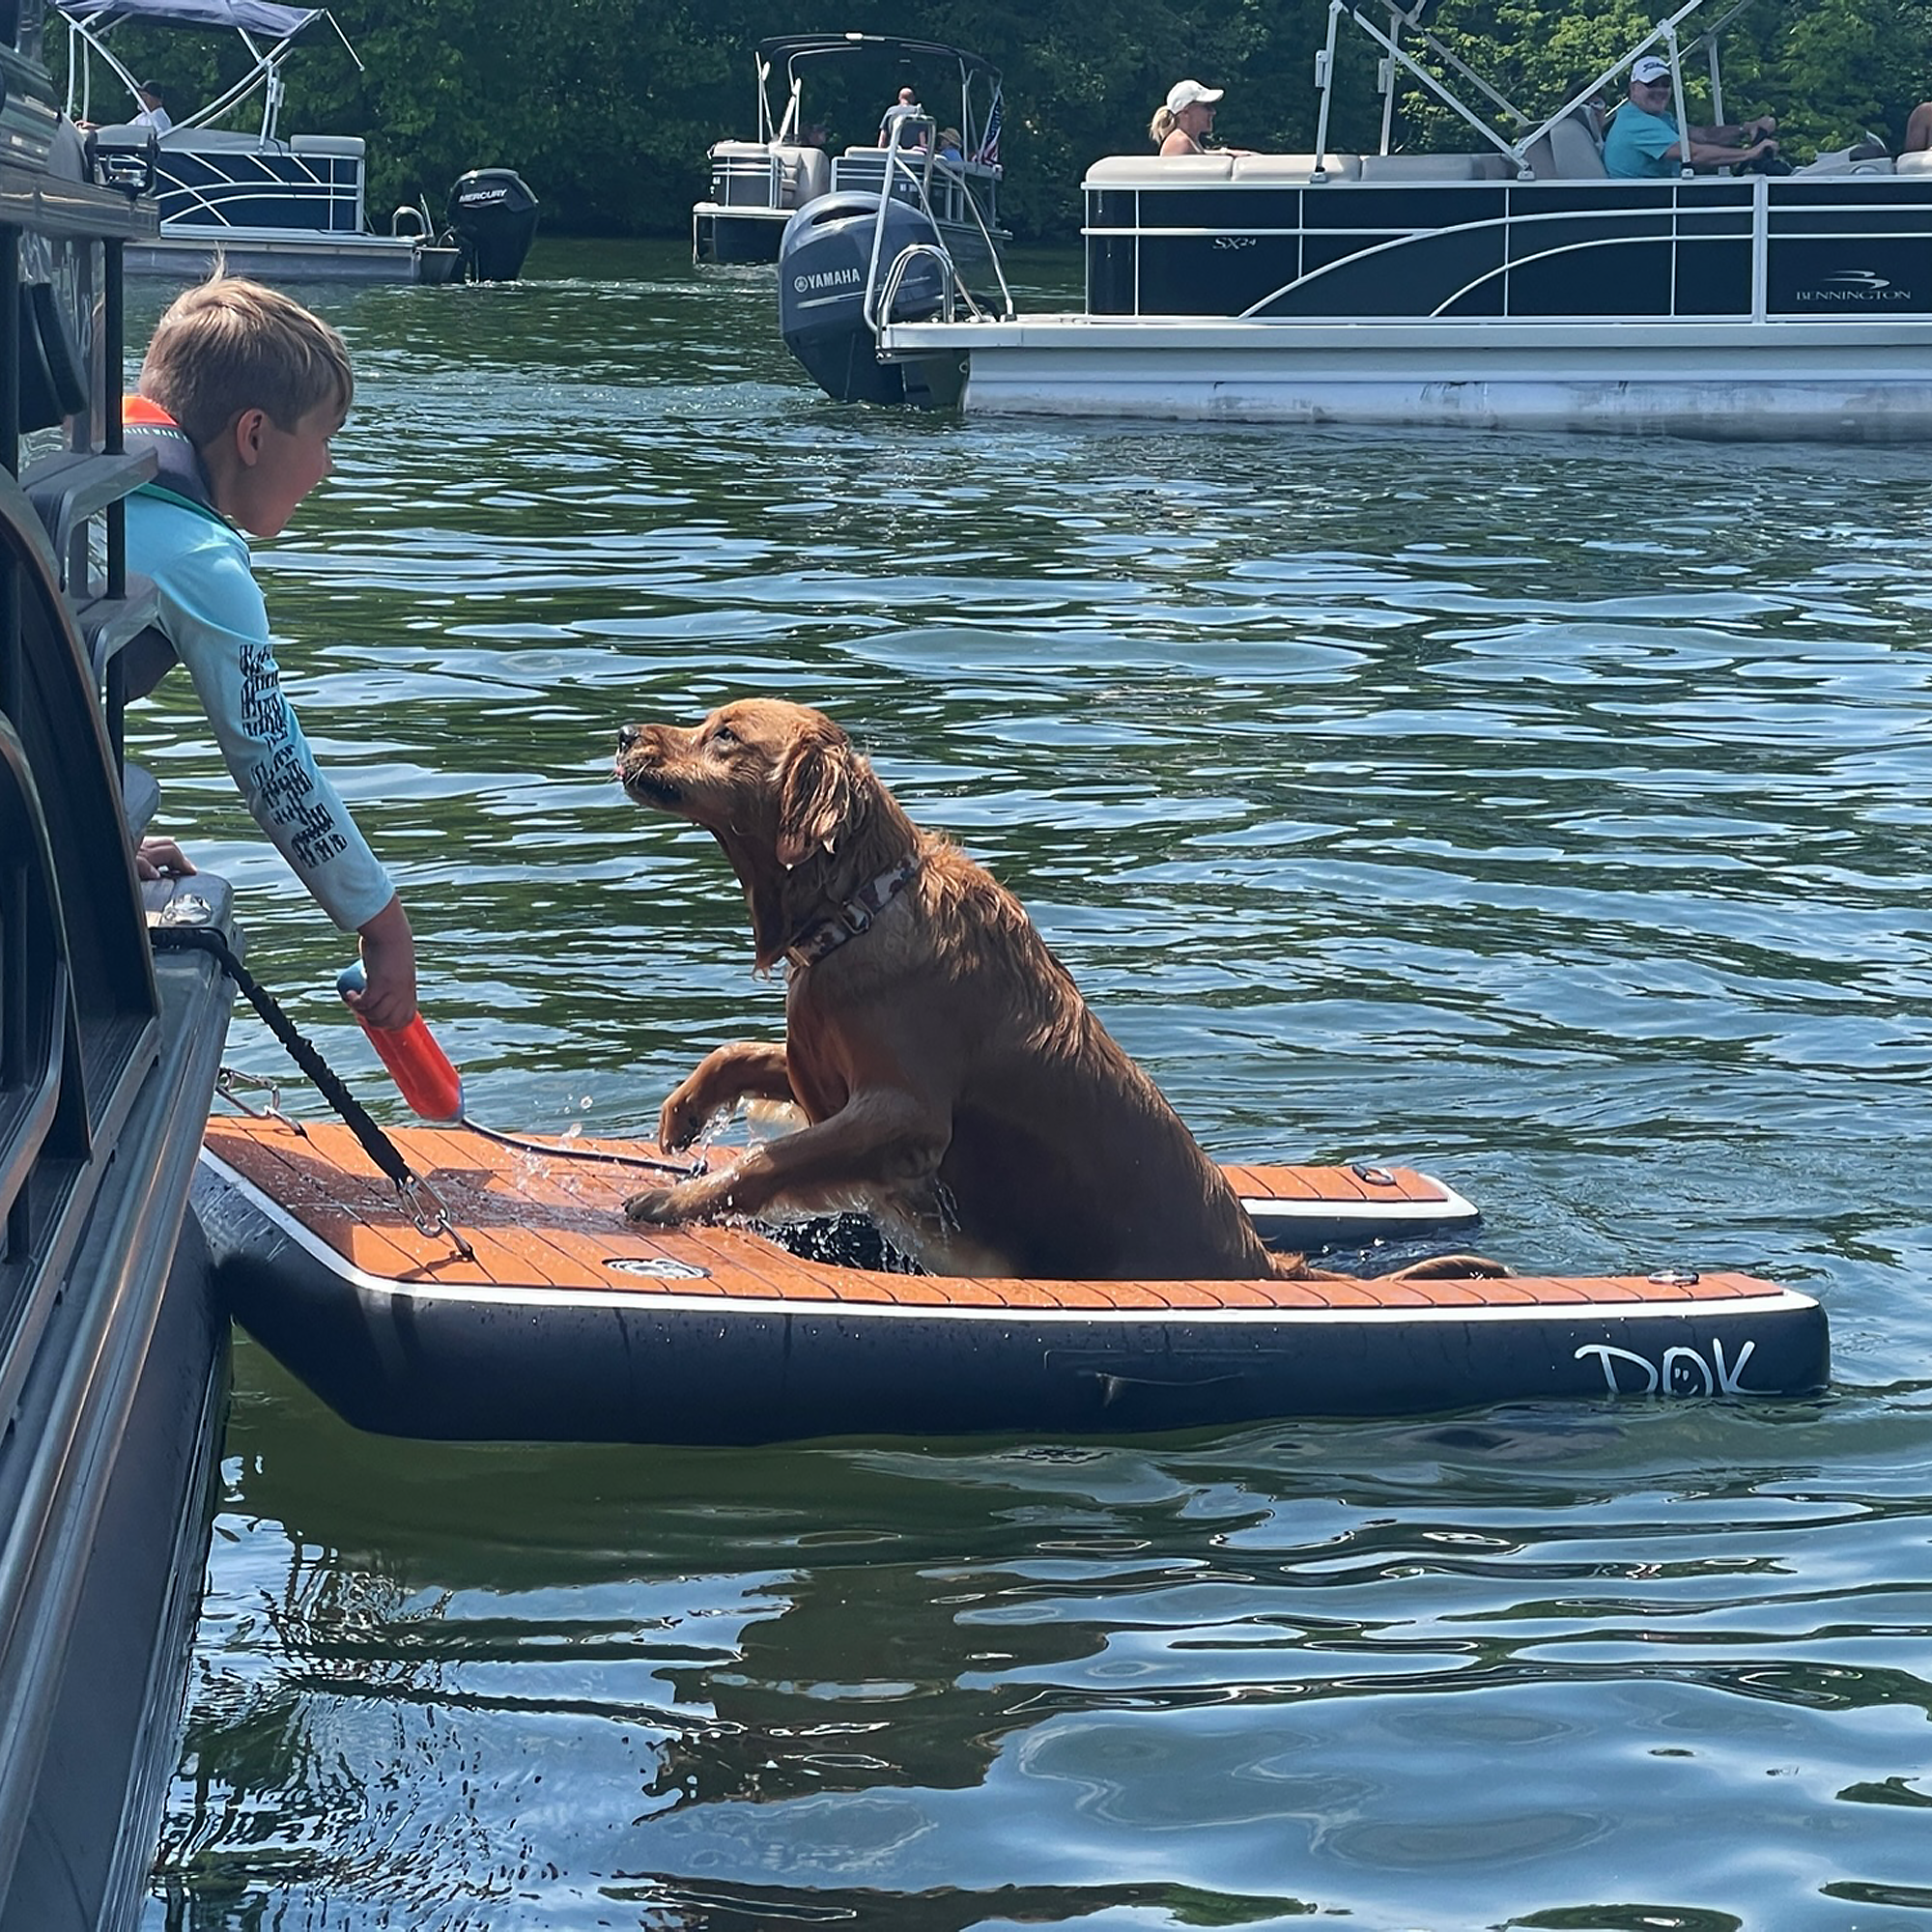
(229, 345)
(1162, 125)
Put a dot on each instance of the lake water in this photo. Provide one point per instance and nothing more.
(1551, 815)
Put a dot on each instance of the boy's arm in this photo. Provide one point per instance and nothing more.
(213, 612)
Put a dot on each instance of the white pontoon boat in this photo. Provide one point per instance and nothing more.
(757, 186)
(1514, 285)
(275, 206)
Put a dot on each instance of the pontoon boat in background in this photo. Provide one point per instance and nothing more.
(1513, 285)
(757, 186)
(278, 208)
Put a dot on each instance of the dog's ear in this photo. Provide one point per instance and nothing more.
(816, 792)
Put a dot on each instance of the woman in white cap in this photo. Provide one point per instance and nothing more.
(1184, 121)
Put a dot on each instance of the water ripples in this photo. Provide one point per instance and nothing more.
(1549, 813)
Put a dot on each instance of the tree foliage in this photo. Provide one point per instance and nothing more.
(607, 106)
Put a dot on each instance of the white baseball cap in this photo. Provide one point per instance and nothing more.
(1650, 68)
(1186, 93)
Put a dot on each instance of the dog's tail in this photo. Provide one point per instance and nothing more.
(1438, 1267)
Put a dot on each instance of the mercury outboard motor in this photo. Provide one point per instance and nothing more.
(493, 216)
(823, 258)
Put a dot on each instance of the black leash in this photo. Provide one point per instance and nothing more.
(563, 1150)
(374, 1142)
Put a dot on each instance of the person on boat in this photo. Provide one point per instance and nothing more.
(240, 393)
(948, 147)
(1917, 130)
(1643, 143)
(906, 108)
(1183, 121)
(154, 108)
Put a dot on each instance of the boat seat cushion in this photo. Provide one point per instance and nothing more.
(1286, 167)
(807, 173)
(1154, 170)
(1919, 163)
(1569, 151)
(1434, 167)
(212, 139)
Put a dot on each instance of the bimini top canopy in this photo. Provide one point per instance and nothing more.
(249, 16)
(89, 22)
(789, 46)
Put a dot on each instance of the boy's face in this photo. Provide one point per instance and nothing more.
(271, 469)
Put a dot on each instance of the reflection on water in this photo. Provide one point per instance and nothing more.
(1550, 814)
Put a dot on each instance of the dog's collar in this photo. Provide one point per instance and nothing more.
(854, 917)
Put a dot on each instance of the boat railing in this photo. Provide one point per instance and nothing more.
(319, 194)
(879, 299)
(900, 167)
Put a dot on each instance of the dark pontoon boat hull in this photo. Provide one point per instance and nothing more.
(112, 1346)
(296, 257)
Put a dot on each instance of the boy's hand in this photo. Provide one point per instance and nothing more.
(162, 859)
(388, 999)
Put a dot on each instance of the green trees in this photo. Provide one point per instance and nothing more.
(1830, 70)
(607, 106)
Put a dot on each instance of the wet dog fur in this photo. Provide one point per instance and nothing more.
(952, 1079)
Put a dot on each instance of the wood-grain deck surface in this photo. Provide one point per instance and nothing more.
(555, 1220)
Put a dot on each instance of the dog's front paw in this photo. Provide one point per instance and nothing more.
(680, 1122)
(659, 1206)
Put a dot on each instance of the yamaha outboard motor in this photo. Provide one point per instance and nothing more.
(492, 215)
(823, 259)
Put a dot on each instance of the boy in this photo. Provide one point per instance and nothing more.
(239, 396)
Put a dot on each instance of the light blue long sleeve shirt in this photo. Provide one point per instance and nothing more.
(213, 615)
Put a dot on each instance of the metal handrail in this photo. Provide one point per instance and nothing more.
(992, 254)
(949, 280)
(878, 300)
(892, 162)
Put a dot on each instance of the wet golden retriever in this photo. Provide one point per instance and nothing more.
(952, 1079)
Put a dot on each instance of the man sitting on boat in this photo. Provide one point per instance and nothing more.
(153, 109)
(1643, 143)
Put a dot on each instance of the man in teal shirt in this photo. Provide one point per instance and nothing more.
(1643, 143)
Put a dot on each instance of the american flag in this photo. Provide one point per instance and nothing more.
(988, 150)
